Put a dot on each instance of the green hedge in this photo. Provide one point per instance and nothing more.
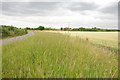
(10, 31)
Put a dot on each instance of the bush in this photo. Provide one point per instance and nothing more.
(8, 31)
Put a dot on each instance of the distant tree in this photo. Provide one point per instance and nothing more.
(61, 28)
(27, 28)
(94, 28)
(67, 29)
(81, 29)
(49, 28)
(41, 28)
(75, 29)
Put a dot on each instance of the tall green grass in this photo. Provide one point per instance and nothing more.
(54, 55)
(0, 60)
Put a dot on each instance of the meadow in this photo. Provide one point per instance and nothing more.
(108, 40)
(0, 60)
(55, 55)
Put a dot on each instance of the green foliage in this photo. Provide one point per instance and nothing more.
(67, 29)
(10, 31)
(53, 55)
(89, 29)
(40, 28)
(61, 28)
(50, 28)
(72, 29)
(27, 28)
(75, 29)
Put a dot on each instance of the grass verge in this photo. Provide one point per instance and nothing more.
(53, 55)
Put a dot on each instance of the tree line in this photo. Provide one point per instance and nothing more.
(87, 29)
(72, 29)
(40, 28)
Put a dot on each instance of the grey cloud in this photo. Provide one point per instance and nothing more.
(28, 8)
(111, 9)
(82, 6)
(0, 7)
(50, 0)
(49, 8)
(119, 11)
(36, 0)
(43, 8)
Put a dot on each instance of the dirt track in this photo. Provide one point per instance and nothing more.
(10, 40)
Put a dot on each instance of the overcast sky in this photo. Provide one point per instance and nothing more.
(60, 13)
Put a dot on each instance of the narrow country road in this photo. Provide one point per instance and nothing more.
(10, 40)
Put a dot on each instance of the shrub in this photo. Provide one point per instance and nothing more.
(8, 31)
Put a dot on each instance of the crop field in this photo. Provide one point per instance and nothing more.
(55, 55)
(108, 40)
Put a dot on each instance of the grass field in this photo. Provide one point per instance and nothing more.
(108, 40)
(0, 59)
(54, 55)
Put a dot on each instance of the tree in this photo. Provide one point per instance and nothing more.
(67, 29)
(27, 28)
(81, 29)
(41, 28)
(61, 28)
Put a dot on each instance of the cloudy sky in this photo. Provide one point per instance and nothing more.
(60, 13)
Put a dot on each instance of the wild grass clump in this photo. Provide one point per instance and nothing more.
(54, 55)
